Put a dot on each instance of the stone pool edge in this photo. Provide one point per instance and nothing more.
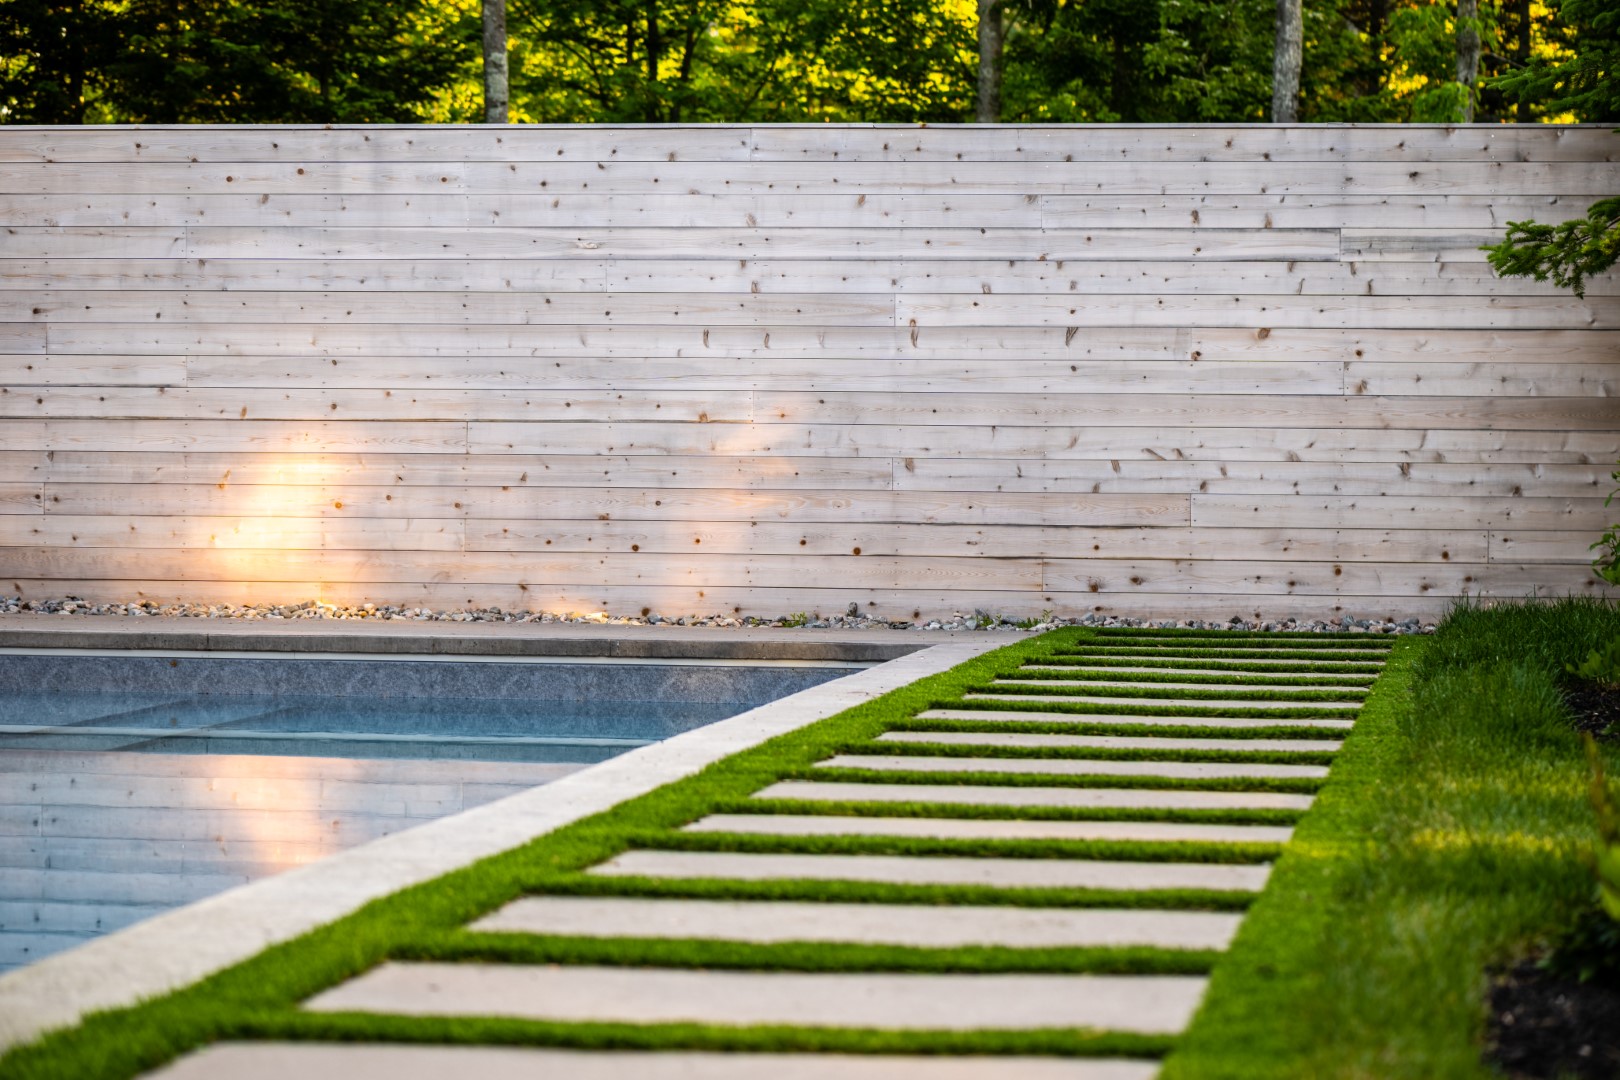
(180, 947)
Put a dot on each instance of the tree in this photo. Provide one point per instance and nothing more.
(53, 54)
(1287, 57)
(990, 41)
(1468, 46)
(218, 61)
(495, 79)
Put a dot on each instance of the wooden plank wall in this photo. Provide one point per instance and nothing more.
(1156, 371)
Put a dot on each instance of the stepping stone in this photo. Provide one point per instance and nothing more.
(1056, 797)
(1177, 770)
(1170, 652)
(988, 828)
(1238, 723)
(1201, 703)
(1149, 1004)
(1111, 684)
(1111, 742)
(383, 1061)
(917, 926)
(1285, 677)
(936, 870)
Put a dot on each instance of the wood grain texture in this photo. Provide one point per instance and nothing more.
(1163, 372)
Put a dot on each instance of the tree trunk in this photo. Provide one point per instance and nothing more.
(1521, 54)
(990, 35)
(1286, 62)
(1468, 52)
(495, 81)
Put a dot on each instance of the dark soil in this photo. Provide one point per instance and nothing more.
(1548, 1026)
(1596, 708)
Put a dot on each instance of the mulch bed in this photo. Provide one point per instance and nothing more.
(1545, 1025)
(1596, 708)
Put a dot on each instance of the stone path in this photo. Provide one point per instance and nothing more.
(1040, 836)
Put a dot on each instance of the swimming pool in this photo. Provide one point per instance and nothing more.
(132, 783)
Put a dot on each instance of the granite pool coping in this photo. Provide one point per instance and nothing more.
(182, 946)
(664, 641)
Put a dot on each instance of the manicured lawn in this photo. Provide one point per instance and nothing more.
(1446, 842)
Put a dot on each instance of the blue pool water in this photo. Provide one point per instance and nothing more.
(491, 711)
(130, 784)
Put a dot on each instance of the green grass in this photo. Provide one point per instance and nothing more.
(1446, 841)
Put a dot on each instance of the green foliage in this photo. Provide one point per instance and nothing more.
(1424, 43)
(665, 61)
(1607, 563)
(218, 61)
(1584, 81)
(727, 61)
(1600, 666)
(1566, 254)
(1140, 61)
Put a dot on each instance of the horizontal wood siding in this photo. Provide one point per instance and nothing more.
(1153, 371)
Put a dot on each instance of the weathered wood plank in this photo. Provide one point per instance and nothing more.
(626, 177)
(140, 531)
(242, 338)
(430, 403)
(431, 143)
(493, 308)
(466, 242)
(448, 470)
(1363, 310)
(1304, 579)
(843, 275)
(1541, 548)
(26, 498)
(755, 538)
(488, 567)
(778, 211)
(238, 436)
(1210, 411)
(1250, 478)
(797, 441)
(813, 143)
(786, 374)
(1394, 512)
(1159, 143)
(591, 504)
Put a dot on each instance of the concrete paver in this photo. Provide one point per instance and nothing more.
(1191, 667)
(1054, 797)
(1150, 1004)
(988, 828)
(1178, 770)
(381, 1061)
(867, 924)
(1201, 703)
(1124, 684)
(931, 870)
(1110, 742)
(1021, 716)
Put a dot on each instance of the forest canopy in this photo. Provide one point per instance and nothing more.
(651, 61)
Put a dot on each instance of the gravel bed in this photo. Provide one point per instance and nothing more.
(849, 620)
